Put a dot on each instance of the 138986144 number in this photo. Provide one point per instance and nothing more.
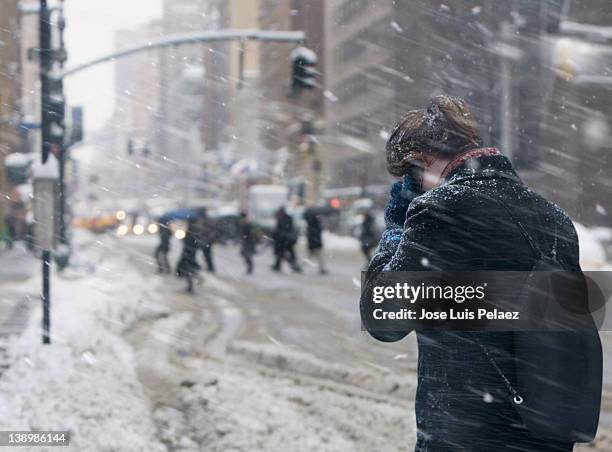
(34, 438)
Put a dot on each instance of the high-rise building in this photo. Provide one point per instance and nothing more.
(134, 122)
(137, 85)
(30, 72)
(11, 140)
(386, 57)
(361, 87)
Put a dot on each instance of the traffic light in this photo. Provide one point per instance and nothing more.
(56, 108)
(303, 62)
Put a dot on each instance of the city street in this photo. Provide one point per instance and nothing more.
(293, 353)
(268, 328)
(247, 362)
(191, 190)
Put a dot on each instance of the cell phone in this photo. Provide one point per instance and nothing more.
(415, 173)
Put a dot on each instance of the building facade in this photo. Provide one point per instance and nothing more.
(137, 85)
(361, 91)
(11, 138)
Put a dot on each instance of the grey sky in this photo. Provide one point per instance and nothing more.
(90, 30)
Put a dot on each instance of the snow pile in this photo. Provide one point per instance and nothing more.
(240, 409)
(289, 359)
(85, 380)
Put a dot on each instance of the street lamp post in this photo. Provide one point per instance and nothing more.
(45, 197)
(46, 175)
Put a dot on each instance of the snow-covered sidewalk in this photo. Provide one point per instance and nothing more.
(85, 381)
(167, 390)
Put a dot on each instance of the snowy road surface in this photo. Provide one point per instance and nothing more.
(260, 362)
(271, 362)
(305, 326)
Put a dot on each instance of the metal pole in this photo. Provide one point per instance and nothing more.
(46, 297)
(45, 67)
(63, 239)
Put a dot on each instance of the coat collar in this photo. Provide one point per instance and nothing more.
(480, 163)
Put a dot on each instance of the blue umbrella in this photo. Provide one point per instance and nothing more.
(185, 214)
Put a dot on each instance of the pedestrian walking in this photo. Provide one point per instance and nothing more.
(206, 233)
(285, 237)
(188, 266)
(248, 241)
(368, 236)
(162, 250)
(11, 225)
(462, 207)
(314, 238)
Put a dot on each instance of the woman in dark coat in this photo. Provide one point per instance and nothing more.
(314, 237)
(188, 266)
(460, 223)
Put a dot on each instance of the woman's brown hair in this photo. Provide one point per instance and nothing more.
(446, 128)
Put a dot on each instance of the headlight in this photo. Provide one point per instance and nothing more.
(138, 229)
(122, 230)
(121, 215)
(179, 234)
(152, 228)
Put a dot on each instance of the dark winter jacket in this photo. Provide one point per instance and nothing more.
(285, 235)
(461, 402)
(188, 264)
(314, 232)
(165, 234)
(248, 238)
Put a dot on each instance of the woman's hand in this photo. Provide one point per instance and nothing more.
(402, 193)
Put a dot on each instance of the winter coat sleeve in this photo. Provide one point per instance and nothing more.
(401, 195)
(419, 244)
(413, 245)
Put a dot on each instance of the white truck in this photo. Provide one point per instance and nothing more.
(262, 203)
